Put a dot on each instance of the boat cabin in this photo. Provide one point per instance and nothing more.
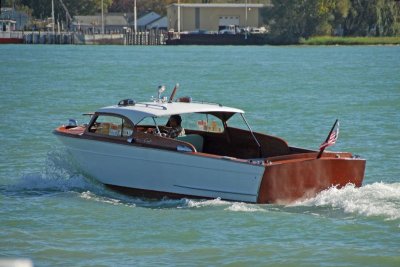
(206, 127)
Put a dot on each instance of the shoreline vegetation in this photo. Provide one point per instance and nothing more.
(335, 40)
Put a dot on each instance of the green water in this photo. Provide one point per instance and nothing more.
(52, 214)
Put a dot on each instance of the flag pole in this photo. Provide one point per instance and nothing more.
(327, 139)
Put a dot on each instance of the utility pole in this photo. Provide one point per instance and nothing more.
(246, 14)
(135, 17)
(179, 17)
(102, 17)
(52, 14)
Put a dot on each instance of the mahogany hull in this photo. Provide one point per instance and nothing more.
(288, 181)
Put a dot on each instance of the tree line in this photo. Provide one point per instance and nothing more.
(288, 20)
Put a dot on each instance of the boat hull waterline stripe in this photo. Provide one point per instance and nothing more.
(215, 191)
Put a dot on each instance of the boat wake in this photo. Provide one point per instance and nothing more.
(105, 199)
(371, 200)
(58, 175)
(115, 198)
(226, 205)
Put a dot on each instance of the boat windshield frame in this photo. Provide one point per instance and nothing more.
(252, 134)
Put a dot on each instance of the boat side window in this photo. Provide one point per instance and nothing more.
(202, 122)
(111, 126)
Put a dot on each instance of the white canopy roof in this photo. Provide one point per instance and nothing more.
(139, 111)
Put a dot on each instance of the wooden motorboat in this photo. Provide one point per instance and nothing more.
(124, 148)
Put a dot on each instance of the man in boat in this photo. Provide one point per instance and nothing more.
(173, 127)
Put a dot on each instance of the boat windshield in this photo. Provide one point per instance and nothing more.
(202, 122)
(193, 121)
(199, 121)
(111, 125)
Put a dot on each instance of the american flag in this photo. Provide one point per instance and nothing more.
(331, 140)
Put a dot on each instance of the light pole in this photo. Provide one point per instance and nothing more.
(246, 14)
(179, 17)
(135, 16)
(102, 18)
(52, 14)
(245, 35)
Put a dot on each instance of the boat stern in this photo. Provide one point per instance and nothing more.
(289, 179)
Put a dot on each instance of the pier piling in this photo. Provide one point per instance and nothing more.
(152, 37)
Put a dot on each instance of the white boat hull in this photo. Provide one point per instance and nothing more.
(172, 172)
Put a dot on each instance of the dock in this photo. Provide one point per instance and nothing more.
(153, 37)
(48, 38)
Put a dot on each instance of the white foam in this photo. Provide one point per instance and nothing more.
(377, 199)
(103, 199)
(206, 203)
(162, 203)
(39, 181)
(58, 174)
(229, 206)
(243, 207)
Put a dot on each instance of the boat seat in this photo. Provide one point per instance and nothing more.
(195, 139)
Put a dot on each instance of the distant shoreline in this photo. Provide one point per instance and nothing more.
(333, 40)
(160, 38)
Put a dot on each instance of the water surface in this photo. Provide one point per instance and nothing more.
(54, 215)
